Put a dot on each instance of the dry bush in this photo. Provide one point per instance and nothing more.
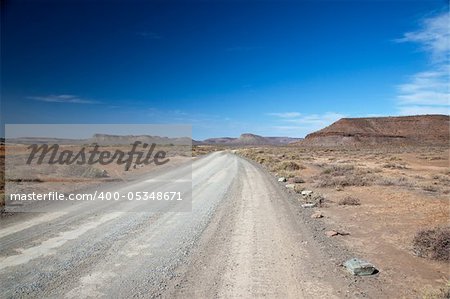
(430, 188)
(433, 243)
(264, 159)
(275, 162)
(395, 166)
(288, 169)
(338, 170)
(401, 181)
(444, 180)
(290, 166)
(349, 201)
(344, 181)
(441, 293)
(395, 159)
(297, 180)
(344, 175)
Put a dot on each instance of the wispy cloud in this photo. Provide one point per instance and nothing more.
(62, 98)
(316, 120)
(295, 123)
(285, 114)
(433, 35)
(428, 92)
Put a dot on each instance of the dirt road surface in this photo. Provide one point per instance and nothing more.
(242, 239)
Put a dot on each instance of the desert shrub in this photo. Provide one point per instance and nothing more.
(264, 159)
(297, 180)
(430, 188)
(349, 201)
(338, 170)
(395, 159)
(391, 165)
(440, 293)
(343, 177)
(436, 158)
(401, 181)
(343, 181)
(290, 166)
(433, 243)
(444, 180)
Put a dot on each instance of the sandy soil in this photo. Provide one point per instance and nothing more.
(383, 226)
(244, 237)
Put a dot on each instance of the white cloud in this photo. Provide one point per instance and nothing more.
(417, 110)
(433, 35)
(428, 92)
(285, 114)
(305, 124)
(63, 98)
(316, 119)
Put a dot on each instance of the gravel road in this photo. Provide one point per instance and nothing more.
(242, 239)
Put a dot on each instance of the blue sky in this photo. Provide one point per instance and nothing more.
(274, 68)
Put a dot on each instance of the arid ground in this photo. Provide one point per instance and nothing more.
(381, 198)
(251, 232)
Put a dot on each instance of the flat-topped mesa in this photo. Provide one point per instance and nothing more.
(251, 139)
(108, 139)
(399, 130)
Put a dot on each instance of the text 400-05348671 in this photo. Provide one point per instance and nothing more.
(141, 195)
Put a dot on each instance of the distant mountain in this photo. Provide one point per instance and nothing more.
(223, 140)
(107, 139)
(104, 139)
(400, 130)
(250, 139)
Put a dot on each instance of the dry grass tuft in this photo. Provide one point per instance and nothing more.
(297, 180)
(391, 165)
(344, 175)
(290, 166)
(349, 201)
(398, 181)
(441, 293)
(433, 243)
(430, 188)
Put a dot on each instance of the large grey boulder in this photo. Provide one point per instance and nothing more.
(359, 267)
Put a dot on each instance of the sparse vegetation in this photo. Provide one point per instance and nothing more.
(338, 170)
(287, 164)
(344, 175)
(290, 166)
(349, 201)
(297, 180)
(397, 181)
(391, 165)
(440, 293)
(430, 188)
(433, 243)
